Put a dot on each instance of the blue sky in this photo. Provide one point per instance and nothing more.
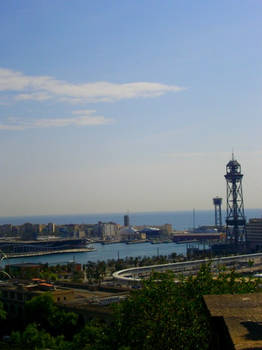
(108, 106)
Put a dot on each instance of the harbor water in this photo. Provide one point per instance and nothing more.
(106, 252)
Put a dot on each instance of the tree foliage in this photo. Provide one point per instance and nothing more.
(164, 314)
(2, 311)
(38, 339)
(42, 311)
(95, 272)
(91, 337)
(169, 315)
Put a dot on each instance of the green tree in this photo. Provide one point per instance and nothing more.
(90, 271)
(37, 339)
(95, 272)
(2, 311)
(163, 314)
(32, 338)
(77, 276)
(100, 271)
(39, 310)
(169, 315)
(63, 322)
(250, 263)
(91, 337)
(42, 311)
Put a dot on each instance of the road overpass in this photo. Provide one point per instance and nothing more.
(136, 274)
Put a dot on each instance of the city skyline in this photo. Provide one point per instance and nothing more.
(113, 106)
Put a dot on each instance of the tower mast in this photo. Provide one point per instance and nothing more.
(235, 216)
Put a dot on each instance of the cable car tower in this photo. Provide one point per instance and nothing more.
(235, 216)
(217, 201)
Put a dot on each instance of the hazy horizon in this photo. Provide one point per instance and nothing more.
(122, 213)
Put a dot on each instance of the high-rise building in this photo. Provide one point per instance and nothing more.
(51, 227)
(126, 220)
(107, 230)
(254, 233)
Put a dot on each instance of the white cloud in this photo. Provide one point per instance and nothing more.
(83, 111)
(37, 96)
(44, 87)
(85, 119)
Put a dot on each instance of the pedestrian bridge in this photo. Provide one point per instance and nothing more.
(136, 274)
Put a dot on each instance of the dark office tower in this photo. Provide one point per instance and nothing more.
(218, 217)
(126, 220)
(235, 219)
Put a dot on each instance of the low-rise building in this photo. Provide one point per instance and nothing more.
(88, 304)
(6, 230)
(129, 234)
(151, 232)
(23, 270)
(15, 293)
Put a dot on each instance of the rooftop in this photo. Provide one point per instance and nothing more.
(242, 315)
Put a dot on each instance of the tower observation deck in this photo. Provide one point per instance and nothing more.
(235, 216)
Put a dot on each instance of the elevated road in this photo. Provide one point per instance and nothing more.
(136, 274)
